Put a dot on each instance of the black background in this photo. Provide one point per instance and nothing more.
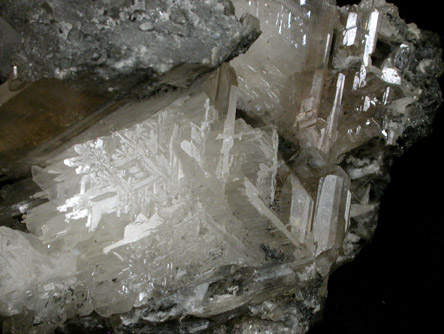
(395, 285)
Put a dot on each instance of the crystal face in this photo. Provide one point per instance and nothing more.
(235, 197)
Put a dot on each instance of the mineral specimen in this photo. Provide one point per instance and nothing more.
(223, 208)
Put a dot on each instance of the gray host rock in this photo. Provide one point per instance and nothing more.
(115, 46)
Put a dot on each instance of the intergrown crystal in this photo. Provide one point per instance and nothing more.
(230, 201)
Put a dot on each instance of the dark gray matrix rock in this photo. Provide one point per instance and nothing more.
(116, 45)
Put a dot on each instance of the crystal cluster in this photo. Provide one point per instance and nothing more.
(158, 206)
(226, 206)
(328, 78)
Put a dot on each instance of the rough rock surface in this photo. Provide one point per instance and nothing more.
(114, 46)
(9, 40)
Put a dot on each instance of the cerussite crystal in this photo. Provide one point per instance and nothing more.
(224, 207)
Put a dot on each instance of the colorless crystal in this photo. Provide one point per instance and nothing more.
(301, 216)
(330, 220)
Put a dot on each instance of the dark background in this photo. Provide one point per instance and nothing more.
(395, 285)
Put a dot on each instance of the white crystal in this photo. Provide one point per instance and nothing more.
(330, 220)
(301, 216)
(156, 199)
